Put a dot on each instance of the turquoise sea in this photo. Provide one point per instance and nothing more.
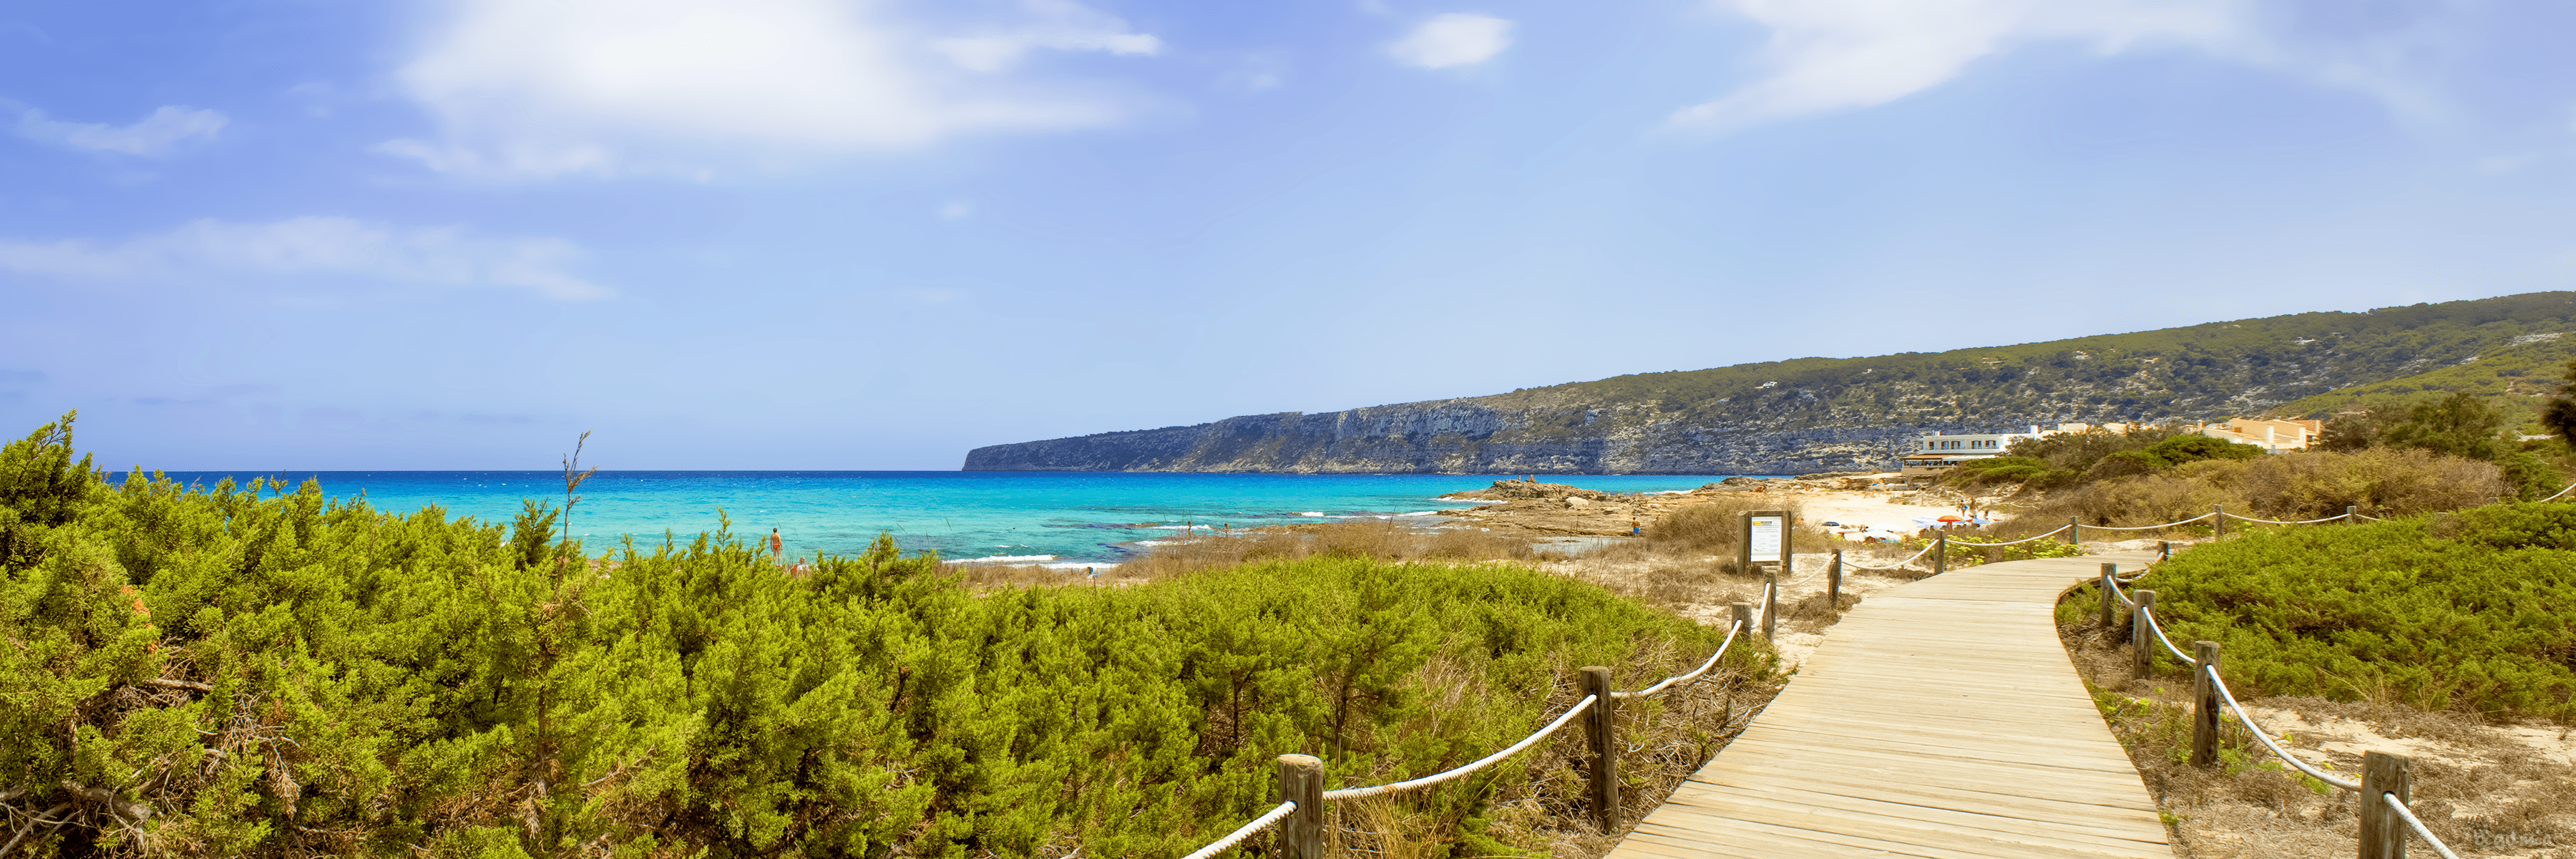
(1036, 517)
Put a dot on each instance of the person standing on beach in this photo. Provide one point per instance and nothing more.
(777, 547)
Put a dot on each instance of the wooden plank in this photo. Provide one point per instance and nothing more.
(1939, 719)
(1881, 815)
(1933, 845)
(1956, 799)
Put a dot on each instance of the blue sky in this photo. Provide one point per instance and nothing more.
(285, 234)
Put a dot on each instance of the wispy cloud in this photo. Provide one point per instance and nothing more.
(1049, 24)
(1835, 54)
(327, 246)
(534, 88)
(1454, 39)
(157, 134)
(1827, 55)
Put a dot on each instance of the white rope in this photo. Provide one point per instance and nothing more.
(2293, 760)
(2570, 488)
(1968, 542)
(1897, 565)
(1237, 836)
(1436, 778)
(1731, 630)
(2279, 522)
(2152, 527)
(2371, 518)
(2408, 815)
(2160, 636)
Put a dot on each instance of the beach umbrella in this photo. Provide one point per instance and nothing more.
(1951, 519)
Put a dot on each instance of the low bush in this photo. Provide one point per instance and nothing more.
(2473, 611)
(266, 671)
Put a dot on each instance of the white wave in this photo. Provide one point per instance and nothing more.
(1158, 542)
(1005, 559)
(1311, 513)
(1078, 565)
(1434, 513)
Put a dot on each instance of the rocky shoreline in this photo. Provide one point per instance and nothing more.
(1559, 509)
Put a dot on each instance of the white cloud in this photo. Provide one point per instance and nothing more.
(1053, 24)
(548, 87)
(1835, 54)
(439, 256)
(157, 134)
(1454, 39)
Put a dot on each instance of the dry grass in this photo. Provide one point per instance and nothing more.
(1383, 541)
(2290, 487)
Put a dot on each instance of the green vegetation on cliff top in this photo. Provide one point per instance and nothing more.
(2217, 369)
(2517, 378)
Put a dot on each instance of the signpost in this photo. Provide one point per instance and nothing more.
(1766, 541)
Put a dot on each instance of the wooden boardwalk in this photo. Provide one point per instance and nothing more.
(1940, 718)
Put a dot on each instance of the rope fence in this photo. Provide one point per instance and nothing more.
(1301, 777)
(2386, 778)
(1300, 811)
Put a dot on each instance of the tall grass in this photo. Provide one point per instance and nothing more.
(2380, 482)
(1374, 540)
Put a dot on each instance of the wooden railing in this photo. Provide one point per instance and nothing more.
(1300, 812)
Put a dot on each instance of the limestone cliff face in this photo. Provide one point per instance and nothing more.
(1467, 436)
(1829, 414)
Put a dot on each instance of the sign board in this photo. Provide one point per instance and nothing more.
(1763, 537)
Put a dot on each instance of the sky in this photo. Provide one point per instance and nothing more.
(874, 234)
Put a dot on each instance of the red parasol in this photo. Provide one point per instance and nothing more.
(1952, 519)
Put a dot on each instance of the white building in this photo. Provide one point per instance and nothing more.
(1934, 453)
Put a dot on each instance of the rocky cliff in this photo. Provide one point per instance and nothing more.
(1826, 414)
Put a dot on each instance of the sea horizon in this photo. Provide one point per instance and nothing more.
(1065, 519)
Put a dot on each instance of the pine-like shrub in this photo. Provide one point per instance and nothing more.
(2474, 610)
(261, 670)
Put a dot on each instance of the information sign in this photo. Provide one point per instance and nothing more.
(1764, 540)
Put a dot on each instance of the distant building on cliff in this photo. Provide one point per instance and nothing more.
(1938, 452)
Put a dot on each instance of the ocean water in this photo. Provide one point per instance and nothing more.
(1067, 519)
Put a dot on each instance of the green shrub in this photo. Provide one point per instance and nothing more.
(2468, 611)
(273, 672)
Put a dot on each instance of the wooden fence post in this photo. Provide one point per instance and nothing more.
(2142, 637)
(2110, 586)
(2351, 514)
(1941, 554)
(2204, 706)
(2218, 519)
(1834, 582)
(1771, 604)
(1601, 728)
(2383, 835)
(1744, 616)
(2074, 532)
(1301, 780)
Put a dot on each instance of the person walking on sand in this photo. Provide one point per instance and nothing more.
(776, 546)
(1636, 528)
